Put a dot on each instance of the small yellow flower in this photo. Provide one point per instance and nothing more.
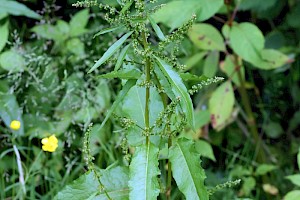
(15, 125)
(50, 144)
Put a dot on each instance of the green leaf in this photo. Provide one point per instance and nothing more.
(75, 46)
(295, 178)
(187, 170)
(129, 84)
(178, 89)
(121, 57)
(78, 22)
(46, 31)
(248, 185)
(143, 173)
(9, 111)
(264, 169)
(191, 77)
(12, 61)
(134, 105)
(293, 15)
(256, 5)
(17, 9)
(3, 35)
(173, 15)
(107, 30)
(273, 130)
(298, 159)
(204, 149)
(208, 8)
(126, 6)
(112, 49)
(207, 37)
(211, 64)
(194, 60)
(230, 69)
(221, 105)
(271, 59)
(123, 74)
(156, 28)
(293, 195)
(247, 41)
(87, 186)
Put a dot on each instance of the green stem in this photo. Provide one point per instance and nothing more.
(147, 72)
(169, 183)
(251, 122)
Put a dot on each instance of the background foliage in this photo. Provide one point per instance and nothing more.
(47, 48)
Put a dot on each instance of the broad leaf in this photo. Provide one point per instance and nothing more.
(211, 64)
(134, 105)
(207, 37)
(112, 49)
(130, 83)
(87, 186)
(47, 31)
(293, 195)
(204, 149)
(3, 35)
(264, 169)
(295, 178)
(123, 74)
(12, 61)
(16, 8)
(78, 23)
(230, 69)
(247, 41)
(298, 159)
(9, 111)
(221, 105)
(175, 13)
(178, 89)
(271, 59)
(208, 8)
(187, 170)
(256, 5)
(143, 173)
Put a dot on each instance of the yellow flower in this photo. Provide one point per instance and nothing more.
(50, 144)
(15, 125)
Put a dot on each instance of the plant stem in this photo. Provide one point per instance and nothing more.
(169, 182)
(147, 72)
(250, 117)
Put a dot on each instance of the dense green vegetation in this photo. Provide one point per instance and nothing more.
(145, 99)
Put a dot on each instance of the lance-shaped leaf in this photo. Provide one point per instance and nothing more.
(87, 187)
(112, 49)
(121, 57)
(187, 170)
(119, 98)
(123, 74)
(156, 28)
(143, 173)
(107, 30)
(179, 90)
